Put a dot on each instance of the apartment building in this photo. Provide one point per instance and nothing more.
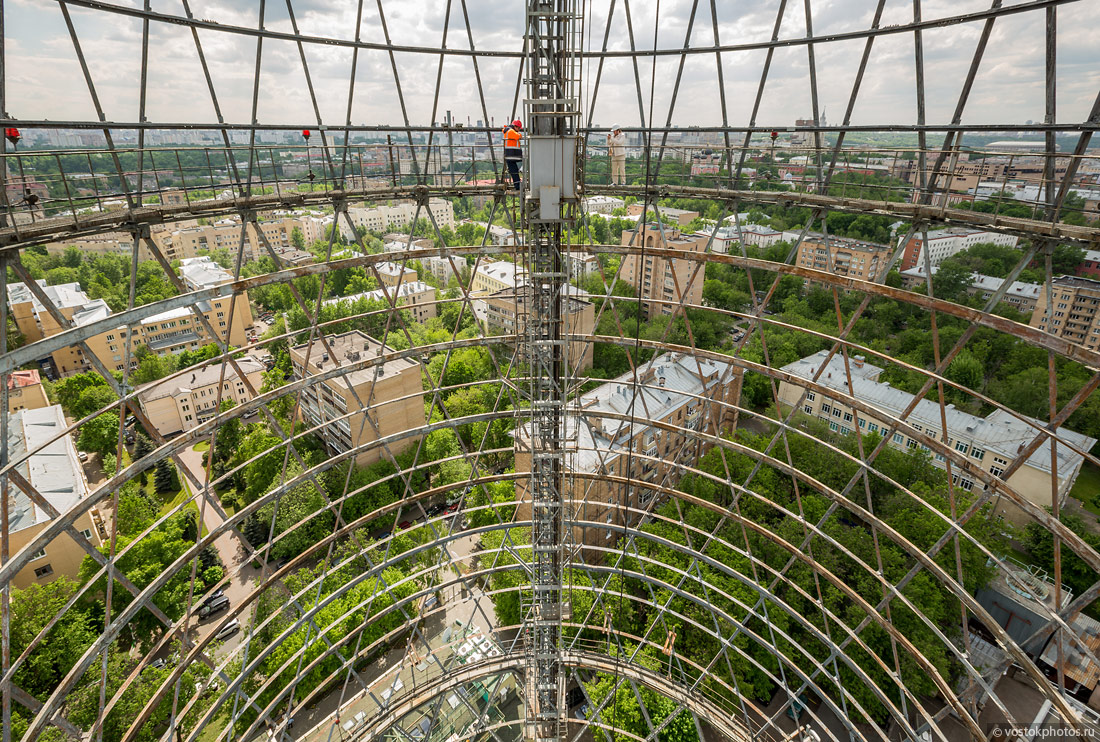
(172, 331)
(394, 274)
(504, 313)
(1090, 266)
(443, 269)
(843, 256)
(1020, 295)
(669, 215)
(416, 297)
(986, 444)
(56, 473)
(1075, 316)
(581, 263)
(603, 204)
(943, 243)
(674, 388)
(397, 215)
(755, 235)
(663, 279)
(491, 275)
(186, 401)
(25, 391)
(363, 403)
(225, 234)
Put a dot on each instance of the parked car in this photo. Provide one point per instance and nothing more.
(159, 663)
(452, 508)
(219, 593)
(435, 510)
(130, 420)
(82, 456)
(214, 606)
(228, 630)
(404, 524)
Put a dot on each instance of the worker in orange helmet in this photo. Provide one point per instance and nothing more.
(513, 153)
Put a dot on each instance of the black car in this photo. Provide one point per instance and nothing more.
(211, 607)
(435, 510)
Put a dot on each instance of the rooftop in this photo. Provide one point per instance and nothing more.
(1000, 433)
(63, 295)
(388, 268)
(54, 471)
(348, 348)
(665, 384)
(500, 270)
(1077, 282)
(199, 377)
(202, 272)
(840, 242)
(23, 379)
(986, 283)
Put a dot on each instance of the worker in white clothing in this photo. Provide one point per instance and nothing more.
(616, 149)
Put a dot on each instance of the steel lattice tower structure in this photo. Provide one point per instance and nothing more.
(549, 202)
(562, 487)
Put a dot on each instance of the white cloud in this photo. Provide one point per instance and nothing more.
(44, 80)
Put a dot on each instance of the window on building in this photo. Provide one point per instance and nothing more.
(862, 423)
(962, 446)
(977, 453)
(38, 554)
(807, 409)
(44, 571)
(966, 484)
(940, 457)
(847, 417)
(911, 443)
(996, 471)
(844, 430)
(811, 396)
(837, 412)
(87, 533)
(999, 460)
(833, 426)
(825, 408)
(872, 427)
(899, 438)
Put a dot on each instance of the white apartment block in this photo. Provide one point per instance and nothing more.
(943, 243)
(988, 444)
(395, 216)
(581, 264)
(1023, 296)
(603, 204)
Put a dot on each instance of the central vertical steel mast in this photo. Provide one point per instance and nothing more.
(549, 199)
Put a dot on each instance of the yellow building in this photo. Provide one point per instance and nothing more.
(504, 314)
(55, 472)
(382, 400)
(188, 400)
(663, 279)
(492, 276)
(25, 391)
(173, 331)
(674, 388)
(843, 256)
(1076, 301)
(394, 274)
(986, 444)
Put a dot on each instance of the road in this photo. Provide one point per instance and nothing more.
(230, 547)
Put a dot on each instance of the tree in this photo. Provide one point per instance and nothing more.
(69, 389)
(297, 239)
(100, 434)
(165, 479)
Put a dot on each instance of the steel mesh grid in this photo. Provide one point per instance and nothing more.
(699, 688)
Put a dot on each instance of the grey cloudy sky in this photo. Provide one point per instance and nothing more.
(44, 80)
